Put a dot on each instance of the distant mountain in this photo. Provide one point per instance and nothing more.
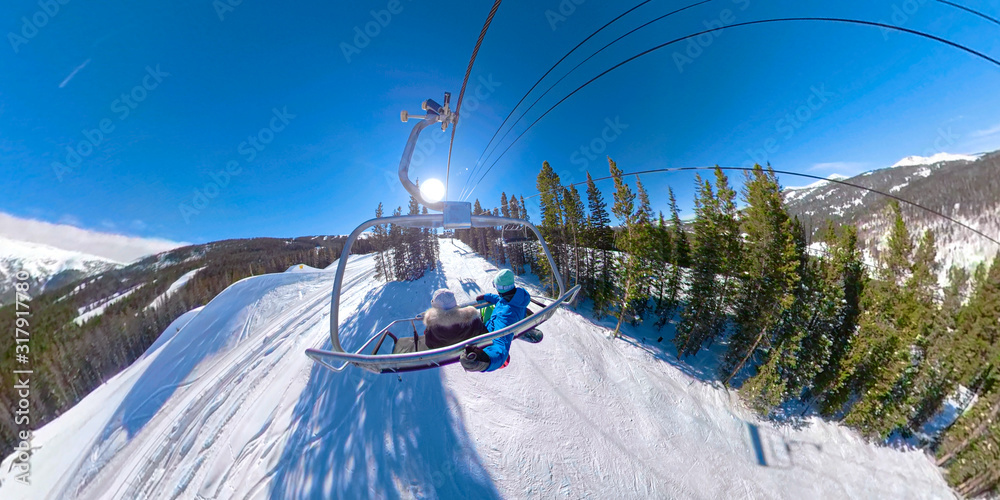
(86, 330)
(46, 266)
(56, 254)
(965, 188)
(110, 246)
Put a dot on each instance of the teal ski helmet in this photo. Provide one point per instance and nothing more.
(504, 281)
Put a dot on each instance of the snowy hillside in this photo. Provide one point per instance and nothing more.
(226, 405)
(43, 263)
(965, 188)
(910, 161)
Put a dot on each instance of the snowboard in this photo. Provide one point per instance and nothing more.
(534, 336)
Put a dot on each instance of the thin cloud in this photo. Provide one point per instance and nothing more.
(75, 71)
(848, 166)
(987, 132)
(116, 247)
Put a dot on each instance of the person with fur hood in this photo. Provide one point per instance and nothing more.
(445, 323)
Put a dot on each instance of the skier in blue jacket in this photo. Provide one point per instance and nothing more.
(510, 306)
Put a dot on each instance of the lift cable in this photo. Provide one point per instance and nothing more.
(786, 172)
(465, 82)
(746, 23)
(609, 23)
(616, 40)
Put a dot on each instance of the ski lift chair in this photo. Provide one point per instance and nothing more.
(409, 352)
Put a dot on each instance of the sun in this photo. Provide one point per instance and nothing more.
(432, 190)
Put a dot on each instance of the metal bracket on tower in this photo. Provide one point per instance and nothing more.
(436, 113)
(457, 215)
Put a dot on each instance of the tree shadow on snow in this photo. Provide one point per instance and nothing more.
(703, 366)
(357, 434)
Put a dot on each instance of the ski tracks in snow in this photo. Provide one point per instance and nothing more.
(157, 464)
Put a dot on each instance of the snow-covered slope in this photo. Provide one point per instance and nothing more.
(228, 406)
(43, 262)
(177, 285)
(910, 161)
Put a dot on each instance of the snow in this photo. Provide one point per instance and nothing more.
(953, 407)
(226, 405)
(40, 260)
(97, 308)
(910, 161)
(301, 268)
(177, 285)
(820, 183)
(107, 246)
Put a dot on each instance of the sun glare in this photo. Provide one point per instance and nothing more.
(432, 190)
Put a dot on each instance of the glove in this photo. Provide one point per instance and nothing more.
(480, 298)
(475, 359)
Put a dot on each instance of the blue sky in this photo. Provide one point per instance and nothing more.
(200, 121)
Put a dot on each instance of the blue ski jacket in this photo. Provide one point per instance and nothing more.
(504, 314)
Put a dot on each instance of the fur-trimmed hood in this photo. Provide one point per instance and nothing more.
(451, 317)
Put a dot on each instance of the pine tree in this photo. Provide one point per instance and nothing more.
(770, 262)
(629, 242)
(600, 241)
(881, 351)
(662, 257)
(574, 218)
(682, 249)
(678, 257)
(398, 245)
(805, 329)
(643, 249)
(415, 239)
(847, 273)
(380, 235)
(697, 322)
(529, 255)
(728, 224)
(516, 250)
(551, 206)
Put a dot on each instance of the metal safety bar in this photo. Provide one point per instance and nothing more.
(429, 221)
(380, 363)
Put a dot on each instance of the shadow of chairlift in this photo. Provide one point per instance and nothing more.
(771, 449)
